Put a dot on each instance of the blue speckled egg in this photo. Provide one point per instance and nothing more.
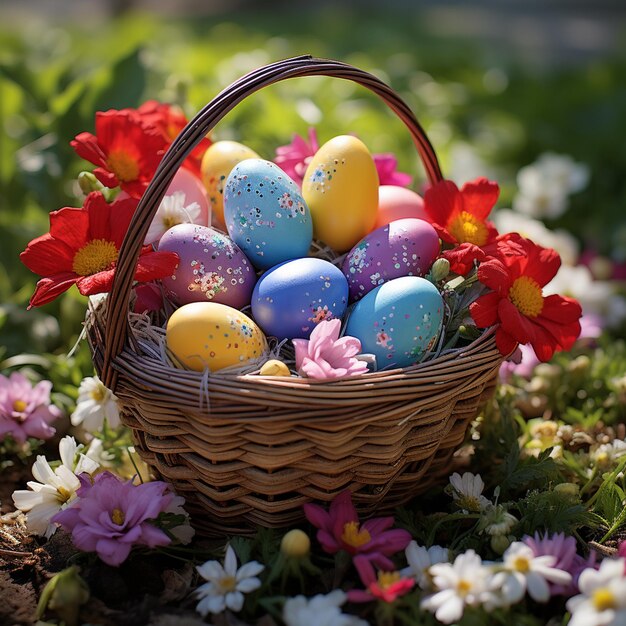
(291, 298)
(398, 321)
(265, 213)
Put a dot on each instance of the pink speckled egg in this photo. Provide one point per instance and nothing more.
(396, 203)
(212, 267)
(194, 191)
(404, 247)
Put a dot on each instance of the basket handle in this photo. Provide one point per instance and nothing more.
(117, 327)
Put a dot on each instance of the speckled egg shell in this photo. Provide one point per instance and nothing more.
(265, 213)
(405, 247)
(208, 335)
(212, 268)
(398, 322)
(291, 298)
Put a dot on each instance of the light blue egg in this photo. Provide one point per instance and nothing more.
(291, 298)
(265, 214)
(398, 321)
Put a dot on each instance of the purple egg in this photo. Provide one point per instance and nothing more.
(212, 267)
(405, 247)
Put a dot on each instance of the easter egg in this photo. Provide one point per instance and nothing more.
(217, 163)
(396, 203)
(265, 213)
(211, 267)
(340, 187)
(203, 335)
(405, 247)
(398, 322)
(194, 191)
(291, 298)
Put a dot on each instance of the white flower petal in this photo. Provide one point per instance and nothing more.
(253, 568)
(211, 570)
(43, 472)
(230, 562)
(67, 451)
(248, 584)
(234, 601)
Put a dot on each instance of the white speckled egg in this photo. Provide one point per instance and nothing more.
(212, 268)
(398, 322)
(265, 213)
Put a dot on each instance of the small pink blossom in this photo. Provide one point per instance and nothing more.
(387, 586)
(339, 528)
(325, 356)
(25, 410)
(294, 158)
(386, 164)
(110, 516)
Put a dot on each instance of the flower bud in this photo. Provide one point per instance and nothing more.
(439, 270)
(295, 544)
(570, 490)
(499, 543)
(88, 183)
(64, 594)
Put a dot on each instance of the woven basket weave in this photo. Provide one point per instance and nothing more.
(266, 445)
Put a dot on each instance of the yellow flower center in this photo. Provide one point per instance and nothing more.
(386, 579)
(19, 406)
(603, 599)
(98, 393)
(118, 517)
(525, 294)
(227, 584)
(602, 458)
(170, 221)
(464, 587)
(98, 255)
(521, 564)
(355, 536)
(466, 228)
(64, 494)
(123, 165)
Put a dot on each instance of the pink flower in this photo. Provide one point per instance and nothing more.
(387, 586)
(567, 559)
(294, 158)
(340, 529)
(324, 355)
(386, 164)
(110, 516)
(25, 411)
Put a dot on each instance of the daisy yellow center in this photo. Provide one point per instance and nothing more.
(98, 393)
(603, 599)
(123, 165)
(19, 406)
(64, 494)
(170, 220)
(98, 255)
(525, 294)
(471, 503)
(386, 579)
(464, 587)
(467, 228)
(118, 517)
(602, 458)
(521, 564)
(227, 584)
(355, 536)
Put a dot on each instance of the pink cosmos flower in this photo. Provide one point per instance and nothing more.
(386, 164)
(567, 559)
(325, 356)
(339, 528)
(25, 411)
(387, 586)
(110, 516)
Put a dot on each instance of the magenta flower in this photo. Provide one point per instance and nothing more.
(25, 411)
(294, 158)
(386, 164)
(339, 528)
(387, 586)
(110, 516)
(567, 559)
(325, 356)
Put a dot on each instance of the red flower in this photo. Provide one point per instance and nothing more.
(340, 529)
(387, 586)
(462, 257)
(169, 121)
(517, 303)
(82, 247)
(126, 150)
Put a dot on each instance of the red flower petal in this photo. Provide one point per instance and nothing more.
(506, 344)
(47, 256)
(99, 213)
(462, 257)
(108, 179)
(122, 211)
(86, 147)
(442, 201)
(561, 309)
(484, 310)
(71, 226)
(479, 197)
(96, 283)
(493, 274)
(514, 323)
(155, 265)
(49, 288)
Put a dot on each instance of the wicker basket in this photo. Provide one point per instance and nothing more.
(266, 445)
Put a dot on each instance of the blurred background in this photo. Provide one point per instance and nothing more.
(496, 84)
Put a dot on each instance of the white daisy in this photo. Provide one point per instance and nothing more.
(467, 492)
(226, 584)
(526, 572)
(95, 404)
(607, 453)
(55, 489)
(172, 211)
(319, 611)
(459, 584)
(420, 560)
(602, 601)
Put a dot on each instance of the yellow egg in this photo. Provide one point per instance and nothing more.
(210, 335)
(217, 163)
(340, 187)
(274, 367)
